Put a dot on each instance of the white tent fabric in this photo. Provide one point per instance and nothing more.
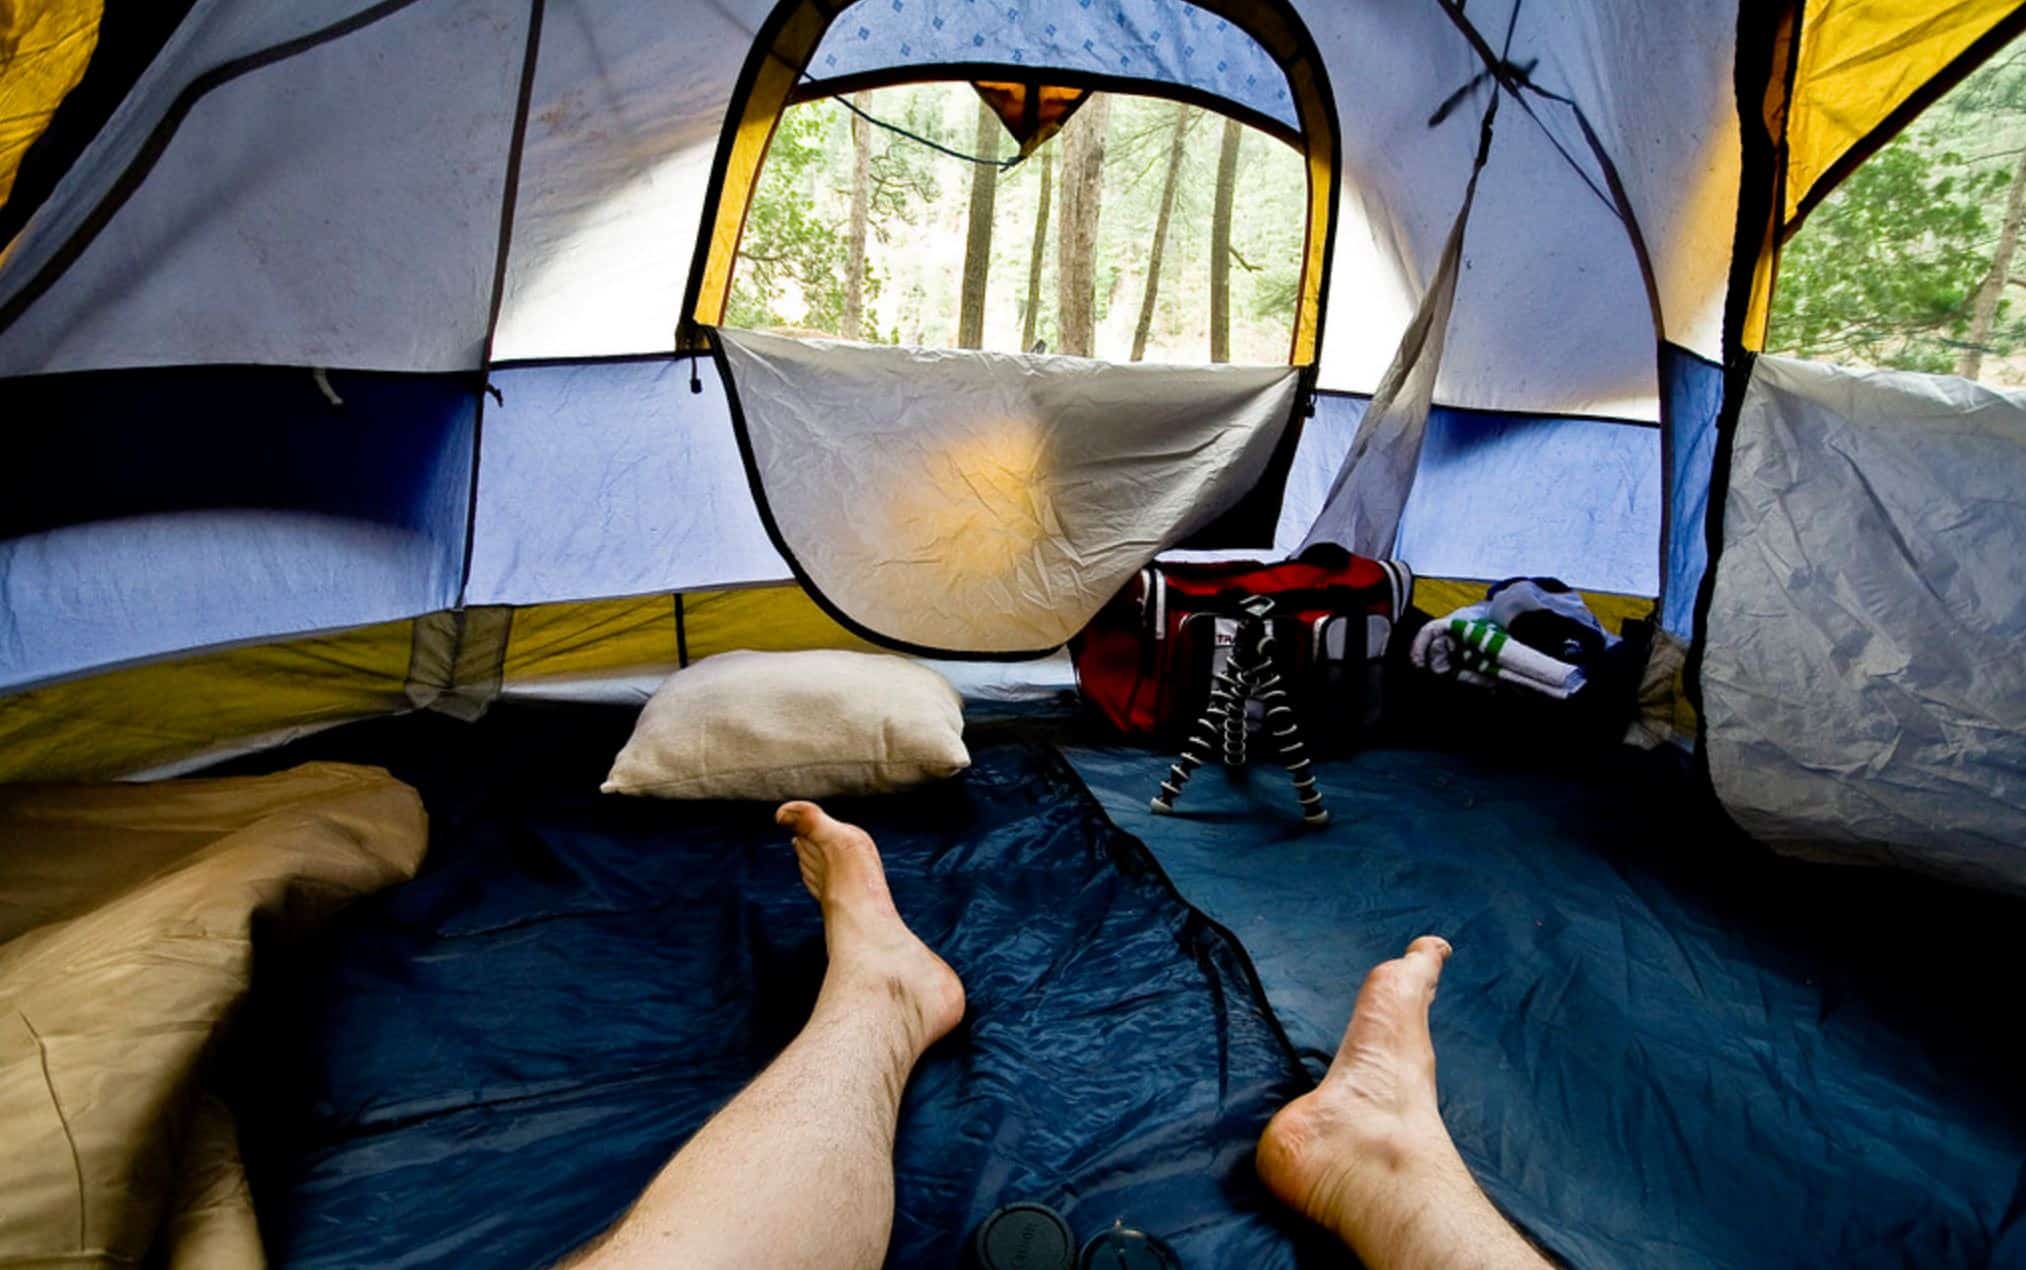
(988, 502)
(300, 216)
(323, 147)
(69, 596)
(622, 126)
(1364, 506)
(214, 33)
(1669, 121)
(1864, 691)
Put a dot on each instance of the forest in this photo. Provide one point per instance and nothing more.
(1152, 230)
(1910, 264)
(1145, 230)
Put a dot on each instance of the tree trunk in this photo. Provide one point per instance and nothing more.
(1076, 244)
(1220, 243)
(1033, 314)
(1184, 116)
(978, 242)
(861, 205)
(1970, 362)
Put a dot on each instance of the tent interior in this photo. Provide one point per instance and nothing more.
(401, 395)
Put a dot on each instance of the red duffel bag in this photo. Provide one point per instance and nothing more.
(1145, 662)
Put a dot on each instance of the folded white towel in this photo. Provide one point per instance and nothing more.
(1472, 648)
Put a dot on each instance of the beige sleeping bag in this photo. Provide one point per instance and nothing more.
(126, 914)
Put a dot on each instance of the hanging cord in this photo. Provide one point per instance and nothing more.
(805, 77)
(897, 130)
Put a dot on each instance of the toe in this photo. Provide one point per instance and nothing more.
(1391, 1014)
(801, 816)
(1422, 963)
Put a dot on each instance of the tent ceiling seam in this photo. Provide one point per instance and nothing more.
(509, 196)
(129, 181)
(1622, 206)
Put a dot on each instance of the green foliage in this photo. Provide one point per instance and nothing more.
(1887, 270)
(792, 257)
(789, 247)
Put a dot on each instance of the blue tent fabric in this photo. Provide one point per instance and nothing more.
(1657, 1044)
(1497, 496)
(1500, 495)
(148, 512)
(1694, 389)
(1166, 41)
(658, 462)
(575, 982)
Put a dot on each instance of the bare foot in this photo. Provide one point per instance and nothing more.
(1366, 1154)
(871, 949)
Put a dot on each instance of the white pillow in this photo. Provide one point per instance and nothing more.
(793, 725)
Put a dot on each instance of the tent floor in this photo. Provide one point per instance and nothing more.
(1658, 1043)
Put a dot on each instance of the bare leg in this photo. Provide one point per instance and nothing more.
(1366, 1153)
(798, 1169)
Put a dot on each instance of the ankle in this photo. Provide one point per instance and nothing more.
(1398, 1176)
(910, 1011)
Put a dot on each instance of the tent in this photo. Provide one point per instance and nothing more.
(354, 351)
(362, 359)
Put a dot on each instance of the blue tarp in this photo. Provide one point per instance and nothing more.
(484, 1067)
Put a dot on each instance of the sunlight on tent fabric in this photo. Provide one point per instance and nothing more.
(1859, 60)
(1369, 302)
(44, 48)
(583, 295)
(989, 502)
(986, 505)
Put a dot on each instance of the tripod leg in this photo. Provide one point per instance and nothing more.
(1202, 742)
(1285, 726)
(1242, 668)
(1233, 705)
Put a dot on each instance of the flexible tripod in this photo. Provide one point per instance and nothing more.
(1248, 674)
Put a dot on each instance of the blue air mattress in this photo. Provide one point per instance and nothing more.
(485, 1066)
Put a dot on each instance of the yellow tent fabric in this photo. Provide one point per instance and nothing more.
(1446, 595)
(132, 719)
(143, 717)
(1859, 61)
(44, 48)
(549, 641)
